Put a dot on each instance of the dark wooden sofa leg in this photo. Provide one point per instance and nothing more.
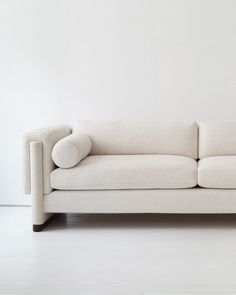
(40, 227)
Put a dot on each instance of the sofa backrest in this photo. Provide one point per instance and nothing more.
(217, 138)
(142, 137)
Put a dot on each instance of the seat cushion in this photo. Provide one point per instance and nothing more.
(217, 172)
(127, 172)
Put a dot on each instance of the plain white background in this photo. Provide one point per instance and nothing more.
(94, 59)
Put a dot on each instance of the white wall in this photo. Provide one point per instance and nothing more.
(67, 60)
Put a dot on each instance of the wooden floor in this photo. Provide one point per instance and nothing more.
(117, 255)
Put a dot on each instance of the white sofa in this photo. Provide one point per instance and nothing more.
(131, 167)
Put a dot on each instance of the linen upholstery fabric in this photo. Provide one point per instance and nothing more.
(135, 167)
(194, 200)
(48, 137)
(217, 172)
(141, 137)
(70, 150)
(217, 138)
(127, 172)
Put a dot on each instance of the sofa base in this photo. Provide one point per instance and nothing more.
(177, 201)
(193, 201)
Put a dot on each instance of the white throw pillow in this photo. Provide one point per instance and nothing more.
(70, 150)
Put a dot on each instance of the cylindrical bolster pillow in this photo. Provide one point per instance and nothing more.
(70, 150)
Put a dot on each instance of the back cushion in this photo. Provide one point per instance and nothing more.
(217, 138)
(141, 137)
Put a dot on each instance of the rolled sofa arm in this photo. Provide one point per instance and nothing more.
(48, 136)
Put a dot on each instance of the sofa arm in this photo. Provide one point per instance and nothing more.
(48, 137)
